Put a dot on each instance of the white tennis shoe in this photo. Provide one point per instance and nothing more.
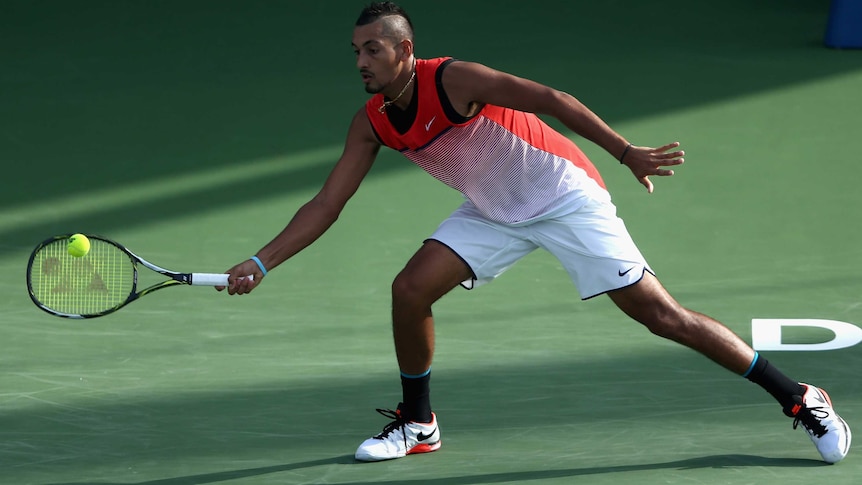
(827, 430)
(400, 438)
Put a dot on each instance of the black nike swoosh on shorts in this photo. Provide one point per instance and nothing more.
(623, 273)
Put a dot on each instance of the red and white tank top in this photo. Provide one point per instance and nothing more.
(510, 164)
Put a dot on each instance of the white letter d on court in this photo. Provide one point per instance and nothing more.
(766, 334)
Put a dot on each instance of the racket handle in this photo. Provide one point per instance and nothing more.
(211, 279)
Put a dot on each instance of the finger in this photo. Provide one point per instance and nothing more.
(248, 283)
(646, 182)
(663, 173)
(667, 147)
(222, 288)
(670, 162)
(669, 155)
(237, 285)
(241, 286)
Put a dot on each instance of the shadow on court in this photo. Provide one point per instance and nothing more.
(107, 94)
(229, 475)
(715, 461)
(70, 438)
(127, 92)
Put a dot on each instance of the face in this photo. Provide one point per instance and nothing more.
(378, 58)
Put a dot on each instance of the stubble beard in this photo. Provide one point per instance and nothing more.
(372, 89)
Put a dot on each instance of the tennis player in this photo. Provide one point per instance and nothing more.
(526, 187)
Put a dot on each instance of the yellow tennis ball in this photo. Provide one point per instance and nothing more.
(78, 245)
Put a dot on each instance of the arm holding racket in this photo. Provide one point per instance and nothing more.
(317, 215)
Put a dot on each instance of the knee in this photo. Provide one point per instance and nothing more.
(407, 290)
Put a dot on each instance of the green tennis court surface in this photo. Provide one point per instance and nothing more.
(191, 132)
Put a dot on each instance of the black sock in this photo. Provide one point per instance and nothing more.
(416, 394)
(774, 382)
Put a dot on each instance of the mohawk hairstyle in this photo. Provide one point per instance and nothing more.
(401, 28)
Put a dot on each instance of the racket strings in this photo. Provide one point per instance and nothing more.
(89, 285)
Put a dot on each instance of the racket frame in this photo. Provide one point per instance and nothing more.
(176, 278)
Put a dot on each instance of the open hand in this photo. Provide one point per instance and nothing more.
(647, 161)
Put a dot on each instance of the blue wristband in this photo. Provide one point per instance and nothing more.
(259, 264)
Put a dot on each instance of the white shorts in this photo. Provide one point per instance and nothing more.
(592, 244)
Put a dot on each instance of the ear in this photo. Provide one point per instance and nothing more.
(406, 49)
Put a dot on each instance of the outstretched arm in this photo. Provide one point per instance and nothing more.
(470, 84)
(318, 214)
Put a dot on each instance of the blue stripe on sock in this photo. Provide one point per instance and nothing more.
(416, 376)
(751, 367)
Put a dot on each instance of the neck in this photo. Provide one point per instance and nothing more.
(402, 89)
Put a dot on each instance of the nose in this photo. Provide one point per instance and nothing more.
(361, 61)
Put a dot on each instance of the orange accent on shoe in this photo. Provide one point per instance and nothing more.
(826, 396)
(425, 448)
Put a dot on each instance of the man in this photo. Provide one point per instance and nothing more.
(527, 187)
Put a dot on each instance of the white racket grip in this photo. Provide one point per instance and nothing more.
(211, 279)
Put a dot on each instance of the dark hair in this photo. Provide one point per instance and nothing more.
(399, 29)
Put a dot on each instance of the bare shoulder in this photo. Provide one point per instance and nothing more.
(470, 84)
(463, 82)
(360, 128)
(360, 119)
(360, 151)
(465, 74)
(467, 68)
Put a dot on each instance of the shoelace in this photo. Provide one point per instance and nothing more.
(811, 420)
(397, 423)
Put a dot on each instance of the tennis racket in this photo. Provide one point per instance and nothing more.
(99, 283)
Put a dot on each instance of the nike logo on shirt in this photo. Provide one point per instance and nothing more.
(428, 125)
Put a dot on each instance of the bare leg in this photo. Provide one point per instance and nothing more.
(650, 304)
(431, 273)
